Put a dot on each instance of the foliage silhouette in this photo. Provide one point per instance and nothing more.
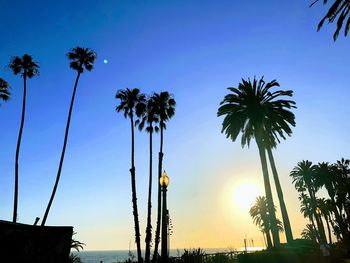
(261, 114)
(303, 177)
(4, 90)
(80, 59)
(26, 68)
(259, 213)
(150, 118)
(309, 233)
(132, 102)
(339, 10)
(166, 110)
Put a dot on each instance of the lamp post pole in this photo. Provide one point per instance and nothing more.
(164, 181)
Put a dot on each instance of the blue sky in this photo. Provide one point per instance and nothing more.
(195, 50)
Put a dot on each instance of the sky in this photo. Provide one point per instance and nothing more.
(195, 50)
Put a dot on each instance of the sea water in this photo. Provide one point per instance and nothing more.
(113, 256)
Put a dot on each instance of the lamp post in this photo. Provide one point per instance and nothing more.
(164, 182)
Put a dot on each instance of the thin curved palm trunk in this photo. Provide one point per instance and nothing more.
(268, 193)
(317, 217)
(134, 196)
(149, 226)
(63, 152)
(328, 229)
(159, 210)
(15, 202)
(285, 217)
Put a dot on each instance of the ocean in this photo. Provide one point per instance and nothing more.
(113, 256)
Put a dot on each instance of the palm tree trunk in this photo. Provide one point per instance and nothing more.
(329, 230)
(268, 193)
(159, 210)
(268, 238)
(343, 228)
(134, 196)
(285, 218)
(63, 152)
(317, 216)
(15, 202)
(149, 226)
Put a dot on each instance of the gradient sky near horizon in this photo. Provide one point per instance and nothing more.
(195, 50)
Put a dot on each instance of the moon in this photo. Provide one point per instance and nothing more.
(105, 61)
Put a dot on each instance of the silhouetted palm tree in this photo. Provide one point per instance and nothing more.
(309, 233)
(80, 59)
(166, 109)
(261, 114)
(150, 118)
(132, 103)
(340, 10)
(303, 177)
(306, 210)
(259, 213)
(327, 175)
(26, 68)
(4, 90)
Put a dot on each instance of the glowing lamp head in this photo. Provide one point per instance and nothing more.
(164, 179)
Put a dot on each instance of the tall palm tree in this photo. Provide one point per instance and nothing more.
(166, 109)
(150, 118)
(4, 90)
(285, 217)
(340, 10)
(132, 103)
(259, 113)
(26, 68)
(303, 175)
(80, 59)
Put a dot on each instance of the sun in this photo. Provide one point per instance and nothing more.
(244, 195)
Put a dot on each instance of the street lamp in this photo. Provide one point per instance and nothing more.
(164, 182)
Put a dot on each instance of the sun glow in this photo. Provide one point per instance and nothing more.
(244, 195)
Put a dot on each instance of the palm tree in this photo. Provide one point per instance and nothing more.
(259, 213)
(26, 68)
(150, 118)
(326, 175)
(306, 210)
(309, 233)
(132, 103)
(261, 114)
(303, 176)
(4, 90)
(80, 59)
(340, 10)
(166, 109)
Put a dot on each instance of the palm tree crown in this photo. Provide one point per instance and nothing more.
(340, 10)
(25, 66)
(254, 110)
(149, 116)
(131, 101)
(4, 90)
(81, 58)
(166, 106)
